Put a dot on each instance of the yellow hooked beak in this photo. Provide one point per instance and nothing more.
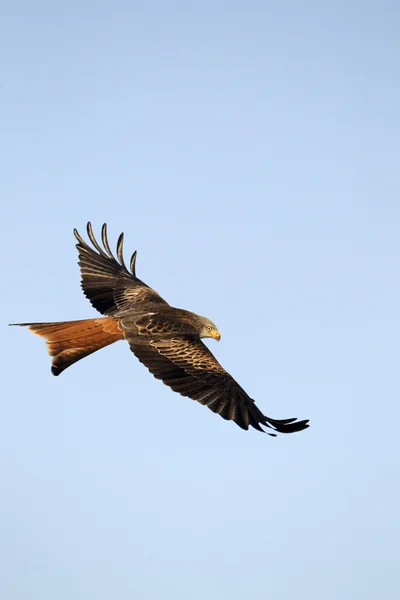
(216, 335)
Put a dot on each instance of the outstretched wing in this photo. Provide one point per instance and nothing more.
(187, 366)
(106, 281)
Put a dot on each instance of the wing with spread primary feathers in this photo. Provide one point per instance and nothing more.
(187, 366)
(106, 281)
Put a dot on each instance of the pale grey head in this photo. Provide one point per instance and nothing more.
(208, 329)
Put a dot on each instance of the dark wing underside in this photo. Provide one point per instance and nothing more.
(188, 367)
(106, 281)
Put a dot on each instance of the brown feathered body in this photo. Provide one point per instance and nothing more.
(165, 339)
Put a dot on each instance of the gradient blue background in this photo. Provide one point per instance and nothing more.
(250, 152)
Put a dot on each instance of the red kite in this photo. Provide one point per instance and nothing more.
(165, 339)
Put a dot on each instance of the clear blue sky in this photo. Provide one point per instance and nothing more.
(250, 152)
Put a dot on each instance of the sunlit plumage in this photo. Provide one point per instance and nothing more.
(165, 339)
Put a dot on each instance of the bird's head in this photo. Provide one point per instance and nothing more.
(209, 330)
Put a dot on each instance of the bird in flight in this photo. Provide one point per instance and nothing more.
(165, 339)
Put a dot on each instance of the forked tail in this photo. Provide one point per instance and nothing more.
(69, 341)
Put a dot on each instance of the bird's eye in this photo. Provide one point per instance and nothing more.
(209, 328)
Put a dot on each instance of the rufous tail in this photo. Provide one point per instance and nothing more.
(69, 341)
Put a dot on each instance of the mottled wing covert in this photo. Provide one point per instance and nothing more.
(188, 367)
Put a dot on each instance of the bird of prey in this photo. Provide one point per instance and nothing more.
(165, 339)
